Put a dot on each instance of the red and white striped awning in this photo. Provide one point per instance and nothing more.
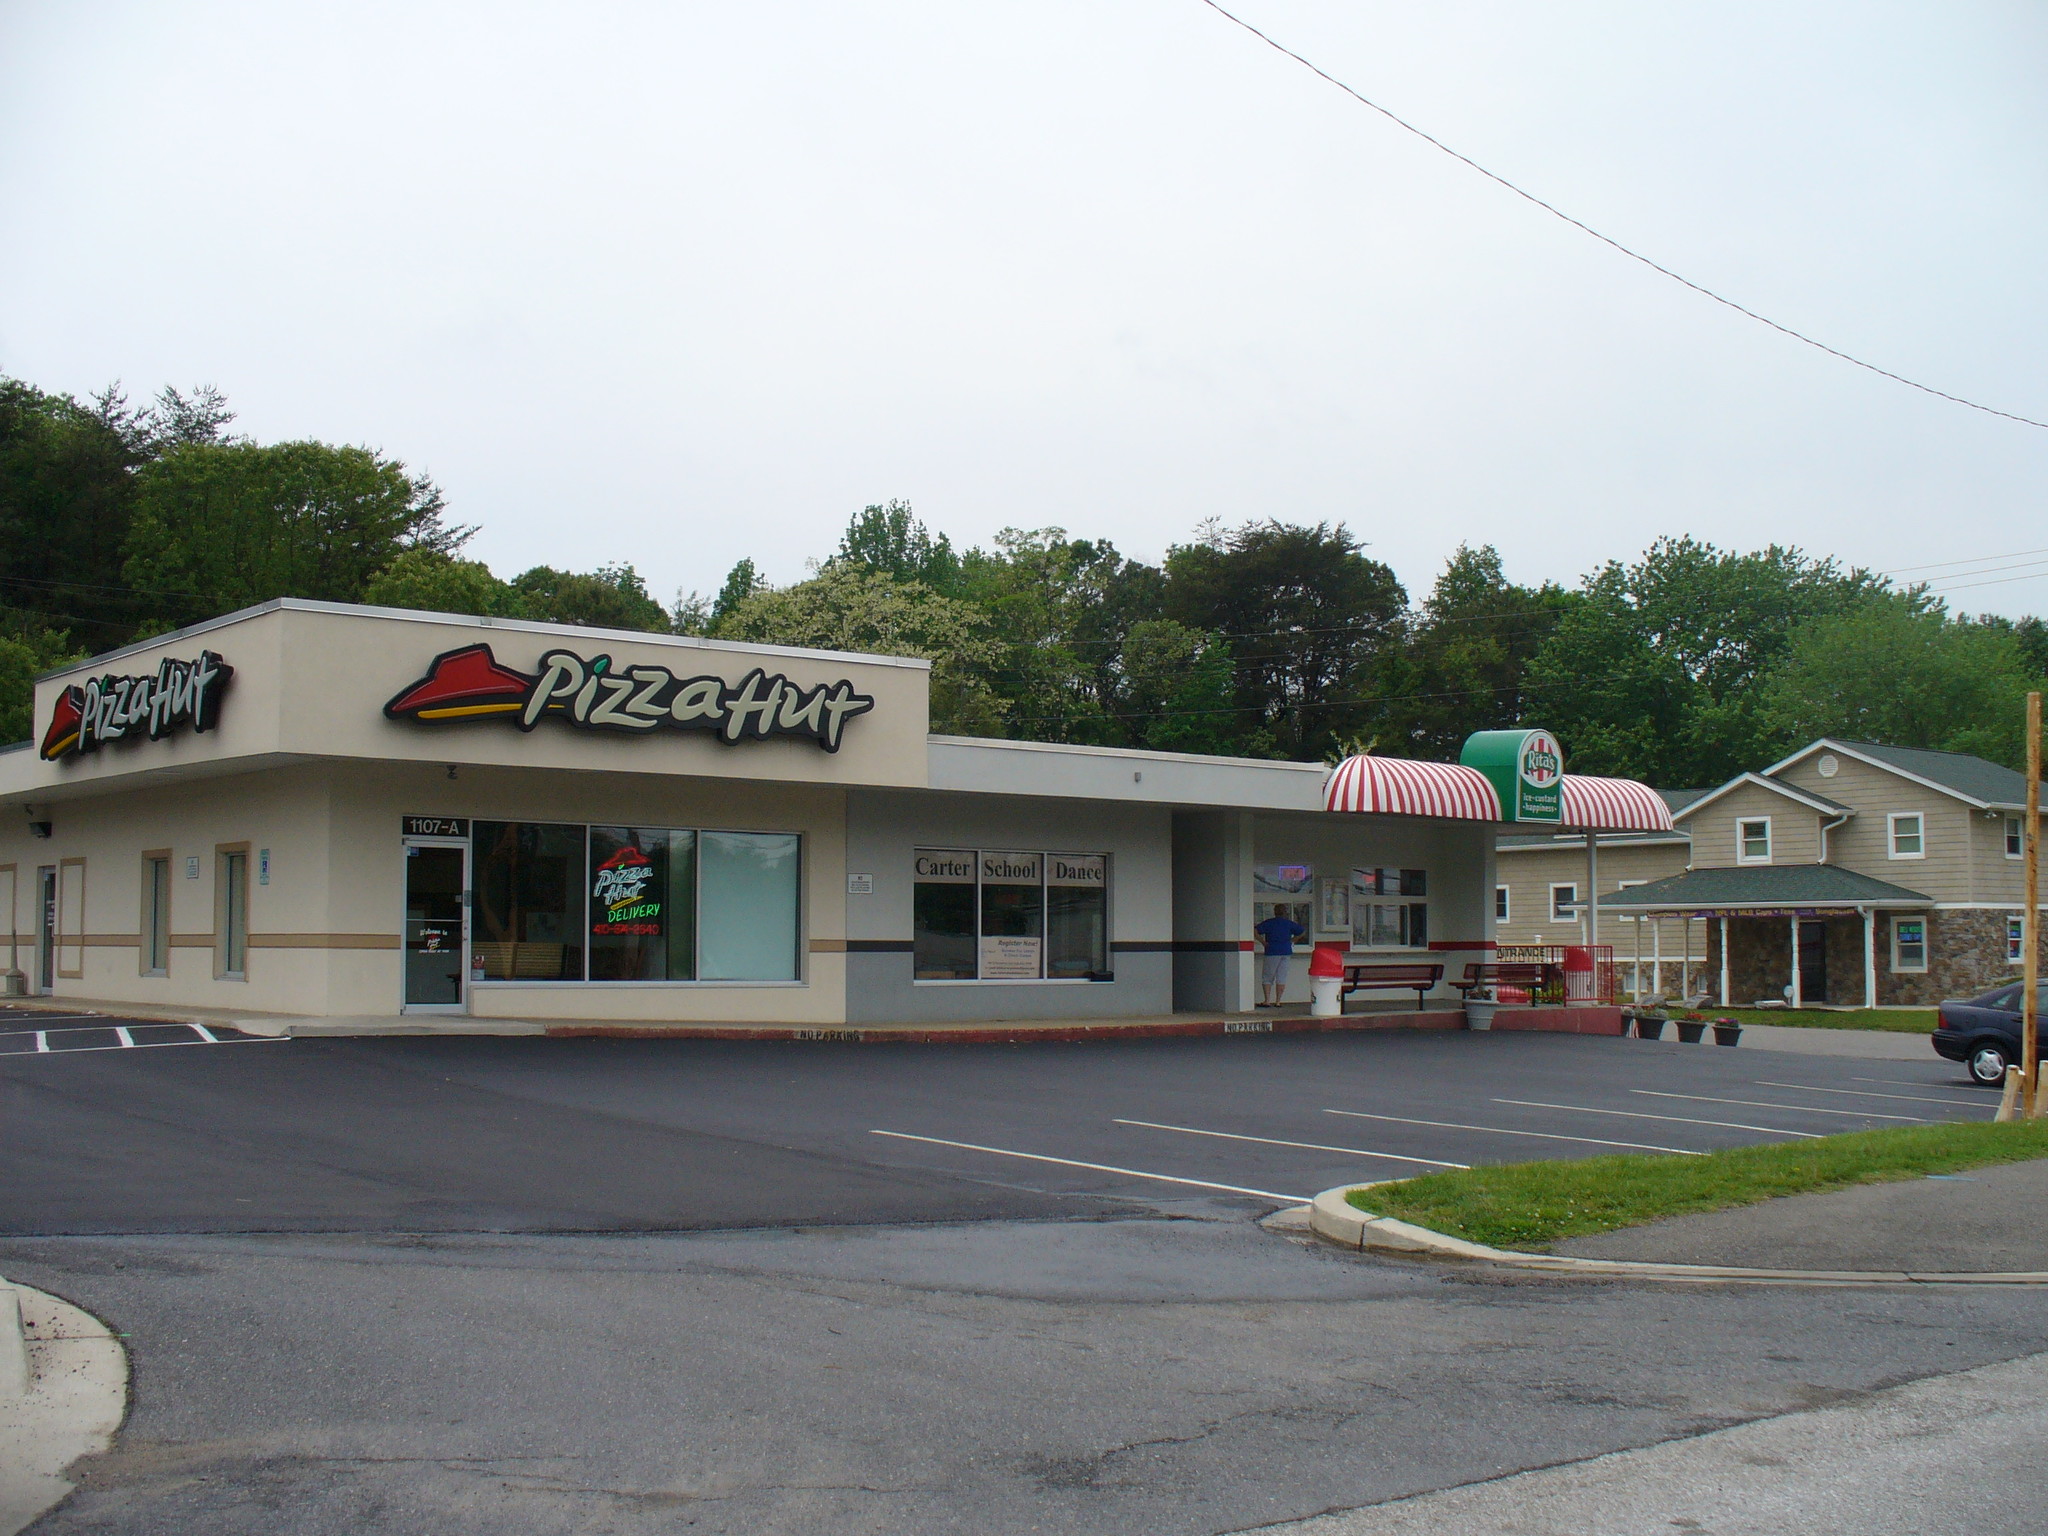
(1397, 786)
(1614, 805)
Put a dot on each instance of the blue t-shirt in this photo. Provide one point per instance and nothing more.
(1280, 934)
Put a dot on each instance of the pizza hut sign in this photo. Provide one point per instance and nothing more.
(157, 704)
(596, 694)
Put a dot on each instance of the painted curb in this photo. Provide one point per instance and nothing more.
(1332, 1217)
(76, 1396)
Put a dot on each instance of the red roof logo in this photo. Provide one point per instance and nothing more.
(66, 721)
(461, 684)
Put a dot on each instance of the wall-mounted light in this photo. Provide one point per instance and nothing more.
(451, 770)
(39, 829)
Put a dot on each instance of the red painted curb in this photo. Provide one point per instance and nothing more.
(1578, 1021)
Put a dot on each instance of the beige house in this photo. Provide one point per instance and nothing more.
(1849, 873)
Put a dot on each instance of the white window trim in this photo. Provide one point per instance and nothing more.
(2012, 824)
(2015, 940)
(1926, 943)
(1568, 916)
(1503, 904)
(1891, 833)
(1622, 885)
(1742, 857)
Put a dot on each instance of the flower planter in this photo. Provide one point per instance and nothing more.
(1727, 1032)
(1479, 1015)
(1648, 1028)
(1690, 1031)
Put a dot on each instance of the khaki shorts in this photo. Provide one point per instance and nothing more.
(1274, 970)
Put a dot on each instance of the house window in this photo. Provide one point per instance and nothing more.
(1753, 840)
(1909, 944)
(1624, 885)
(1500, 904)
(2015, 844)
(1564, 903)
(156, 914)
(2015, 940)
(1908, 835)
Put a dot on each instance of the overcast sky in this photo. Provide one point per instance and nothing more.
(677, 283)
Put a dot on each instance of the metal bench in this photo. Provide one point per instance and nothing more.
(1391, 978)
(1531, 976)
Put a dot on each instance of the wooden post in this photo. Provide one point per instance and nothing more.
(2030, 922)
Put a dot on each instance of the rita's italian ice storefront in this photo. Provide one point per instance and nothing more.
(326, 811)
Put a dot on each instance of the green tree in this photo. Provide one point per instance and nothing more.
(1653, 672)
(845, 608)
(1308, 616)
(439, 583)
(610, 597)
(1900, 671)
(1463, 658)
(220, 526)
(22, 657)
(889, 538)
(1179, 692)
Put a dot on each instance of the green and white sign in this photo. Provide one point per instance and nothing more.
(1526, 769)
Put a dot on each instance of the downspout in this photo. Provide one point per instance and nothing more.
(1828, 826)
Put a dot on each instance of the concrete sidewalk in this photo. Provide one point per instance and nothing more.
(1984, 1220)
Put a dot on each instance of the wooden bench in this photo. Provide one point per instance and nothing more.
(1531, 976)
(1390, 978)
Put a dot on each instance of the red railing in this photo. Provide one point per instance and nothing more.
(1572, 973)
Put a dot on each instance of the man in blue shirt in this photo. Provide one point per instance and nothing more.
(1278, 933)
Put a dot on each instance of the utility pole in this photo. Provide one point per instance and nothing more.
(2030, 924)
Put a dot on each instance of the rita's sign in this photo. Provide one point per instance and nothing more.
(157, 704)
(595, 694)
(1526, 769)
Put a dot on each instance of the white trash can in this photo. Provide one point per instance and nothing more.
(1325, 1000)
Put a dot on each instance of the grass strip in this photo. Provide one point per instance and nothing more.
(1531, 1205)
(1904, 1021)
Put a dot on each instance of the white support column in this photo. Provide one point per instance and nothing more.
(1726, 1002)
(1635, 981)
(1870, 957)
(1592, 887)
(1798, 982)
(1657, 957)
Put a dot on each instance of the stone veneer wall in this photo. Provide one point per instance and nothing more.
(1965, 957)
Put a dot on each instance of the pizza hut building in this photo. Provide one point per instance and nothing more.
(323, 810)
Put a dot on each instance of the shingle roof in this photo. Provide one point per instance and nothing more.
(1763, 885)
(1679, 799)
(1972, 777)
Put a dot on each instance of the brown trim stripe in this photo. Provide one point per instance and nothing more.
(323, 941)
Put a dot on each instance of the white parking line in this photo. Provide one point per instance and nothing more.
(1900, 1082)
(42, 1048)
(123, 1036)
(1630, 1114)
(1306, 1146)
(1862, 1093)
(1069, 1162)
(204, 1033)
(42, 1040)
(1797, 1109)
(47, 1018)
(1501, 1130)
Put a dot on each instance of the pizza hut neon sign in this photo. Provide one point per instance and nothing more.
(597, 694)
(179, 694)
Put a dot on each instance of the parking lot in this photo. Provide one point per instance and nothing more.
(237, 1133)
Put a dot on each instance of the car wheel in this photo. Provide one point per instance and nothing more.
(1987, 1065)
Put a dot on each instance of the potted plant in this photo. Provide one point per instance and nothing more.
(1480, 1007)
(1650, 1026)
(1691, 1026)
(1727, 1032)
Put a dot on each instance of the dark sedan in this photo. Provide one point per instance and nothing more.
(1984, 1032)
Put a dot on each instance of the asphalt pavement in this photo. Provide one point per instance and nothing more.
(512, 1286)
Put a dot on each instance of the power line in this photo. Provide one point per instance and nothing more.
(1942, 565)
(1608, 240)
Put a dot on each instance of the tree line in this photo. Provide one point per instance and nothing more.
(1269, 638)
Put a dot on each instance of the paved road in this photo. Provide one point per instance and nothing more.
(541, 1286)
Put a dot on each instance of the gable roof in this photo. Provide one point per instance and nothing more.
(1764, 885)
(1972, 779)
(1806, 797)
(1679, 799)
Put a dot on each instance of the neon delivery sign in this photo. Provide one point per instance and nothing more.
(595, 693)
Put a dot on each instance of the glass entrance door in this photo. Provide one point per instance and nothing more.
(46, 929)
(436, 925)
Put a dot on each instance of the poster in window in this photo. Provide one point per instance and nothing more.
(1282, 881)
(1333, 907)
(1010, 957)
(624, 899)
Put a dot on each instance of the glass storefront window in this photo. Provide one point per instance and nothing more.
(1012, 916)
(1384, 924)
(634, 916)
(527, 902)
(1076, 915)
(749, 908)
(943, 916)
